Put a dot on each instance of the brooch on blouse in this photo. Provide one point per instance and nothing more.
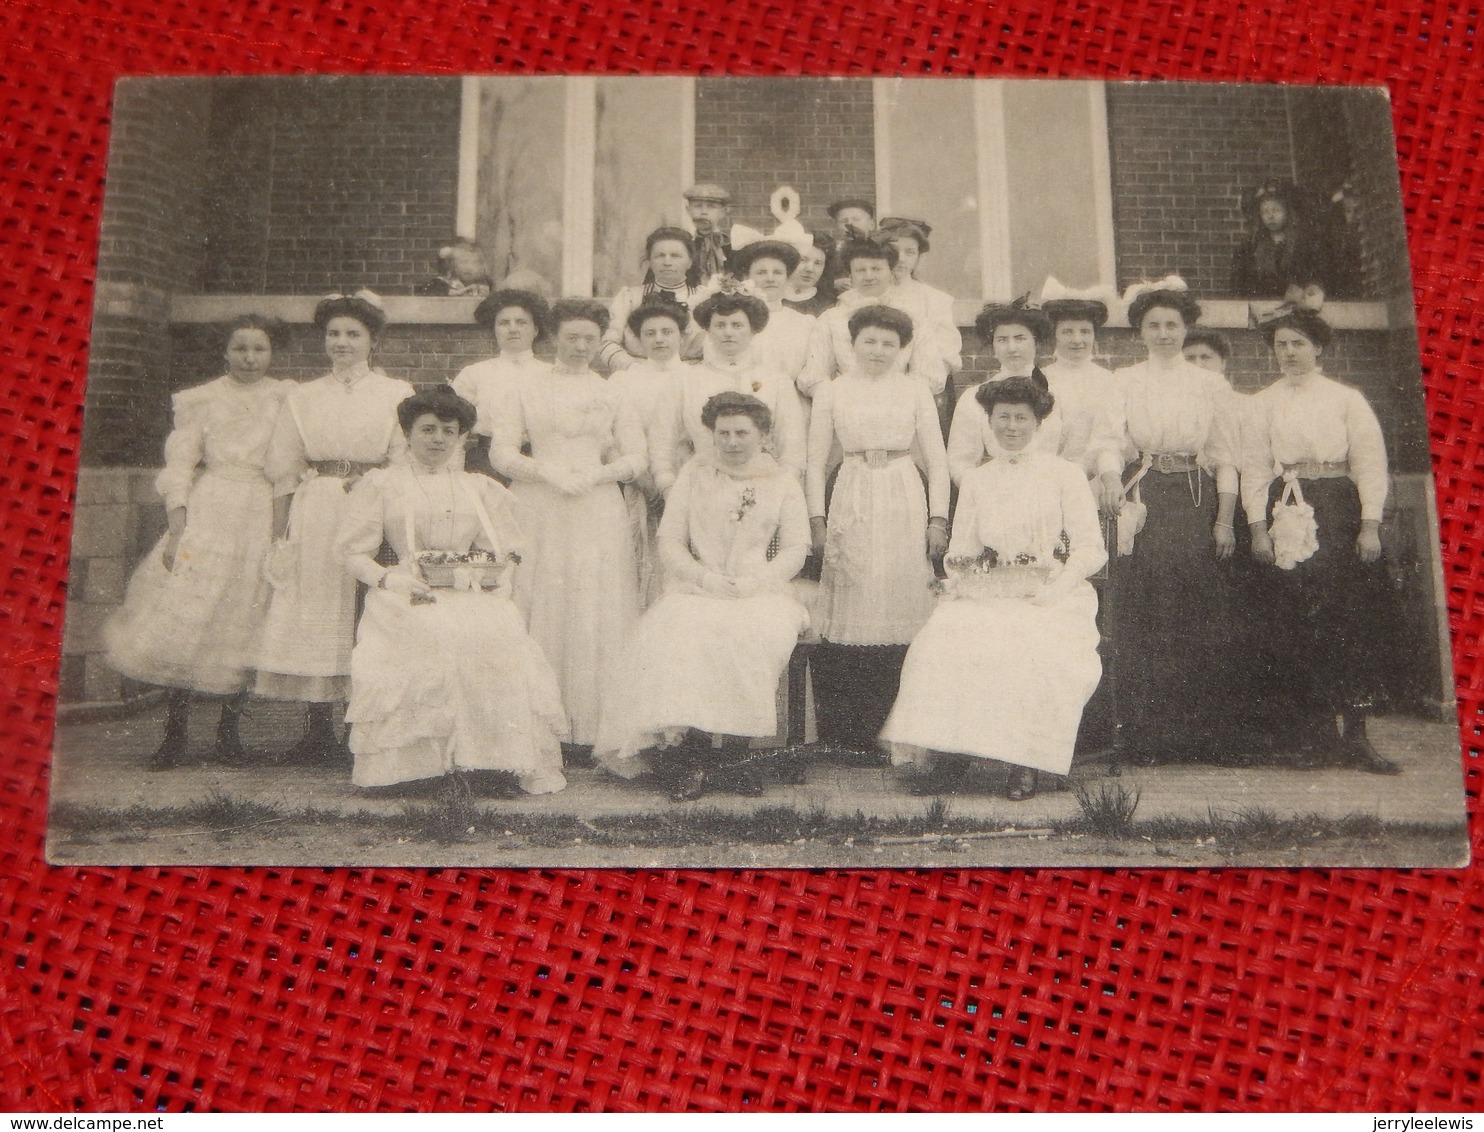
(757, 386)
(748, 502)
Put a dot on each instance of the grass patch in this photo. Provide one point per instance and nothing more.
(1107, 808)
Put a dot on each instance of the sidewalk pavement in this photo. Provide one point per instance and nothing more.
(100, 765)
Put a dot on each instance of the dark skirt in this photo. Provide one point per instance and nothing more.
(1330, 621)
(1171, 616)
(854, 689)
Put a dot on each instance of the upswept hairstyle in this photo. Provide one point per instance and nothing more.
(491, 305)
(1058, 311)
(1307, 323)
(1015, 391)
(680, 236)
(1205, 336)
(732, 404)
(996, 315)
(730, 302)
(578, 310)
(883, 317)
(442, 402)
(368, 314)
(656, 307)
(1178, 301)
(867, 249)
(275, 328)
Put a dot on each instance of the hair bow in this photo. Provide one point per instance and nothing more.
(1168, 283)
(370, 298)
(1054, 289)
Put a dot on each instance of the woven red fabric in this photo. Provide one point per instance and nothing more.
(345, 989)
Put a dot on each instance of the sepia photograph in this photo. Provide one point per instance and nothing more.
(754, 472)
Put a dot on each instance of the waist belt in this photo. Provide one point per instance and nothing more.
(1169, 463)
(879, 457)
(237, 473)
(1318, 470)
(342, 469)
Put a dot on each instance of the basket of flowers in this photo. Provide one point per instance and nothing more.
(987, 575)
(471, 569)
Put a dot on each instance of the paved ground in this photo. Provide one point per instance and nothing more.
(99, 766)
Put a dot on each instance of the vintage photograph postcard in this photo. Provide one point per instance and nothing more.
(544, 472)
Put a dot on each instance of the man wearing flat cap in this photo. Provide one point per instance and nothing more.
(710, 209)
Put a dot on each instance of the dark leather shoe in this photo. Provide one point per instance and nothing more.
(1022, 785)
(1365, 757)
(689, 785)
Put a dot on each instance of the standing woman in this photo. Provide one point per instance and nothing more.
(1169, 438)
(925, 303)
(1013, 334)
(1326, 605)
(331, 432)
(784, 342)
(191, 619)
(672, 274)
(578, 584)
(1081, 386)
(882, 529)
(810, 290)
(516, 320)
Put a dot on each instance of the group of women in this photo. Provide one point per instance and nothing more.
(633, 595)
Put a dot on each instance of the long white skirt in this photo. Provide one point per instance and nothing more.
(875, 584)
(999, 678)
(453, 685)
(311, 622)
(699, 661)
(578, 589)
(197, 626)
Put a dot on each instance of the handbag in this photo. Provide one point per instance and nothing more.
(1133, 513)
(1294, 530)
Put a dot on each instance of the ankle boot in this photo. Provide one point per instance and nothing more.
(229, 750)
(1358, 747)
(171, 752)
(320, 745)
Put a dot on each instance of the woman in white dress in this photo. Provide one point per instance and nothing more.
(731, 321)
(924, 302)
(882, 530)
(706, 660)
(1009, 658)
(578, 587)
(646, 393)
(671, 273)
(332, 431)
(784, 342)
(516, 319)
(194, 608)
(1327, 600)
(1169, 442)
(1013, 334)
(444, 677)
(1081, 386)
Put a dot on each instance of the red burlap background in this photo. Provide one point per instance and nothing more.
(252, 989)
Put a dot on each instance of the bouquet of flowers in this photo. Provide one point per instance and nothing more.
(471, 569)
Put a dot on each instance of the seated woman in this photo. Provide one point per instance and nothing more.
(443, 678)
(1009, 658)
(671, 274)
(706, 659)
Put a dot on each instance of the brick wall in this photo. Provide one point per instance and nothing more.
(321, 183)
(815, 134)
(1182, 154)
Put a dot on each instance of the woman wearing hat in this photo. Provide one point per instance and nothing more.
(1169, 442)
(1315, 442)
(1013, 334)
(1081, 386)
(671, 274)
(1279, 249)
(928, 306)
(784, 342)
(331, 432)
